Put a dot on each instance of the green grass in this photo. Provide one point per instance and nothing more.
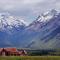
(30, 58)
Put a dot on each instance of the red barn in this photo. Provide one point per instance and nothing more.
(12, 52)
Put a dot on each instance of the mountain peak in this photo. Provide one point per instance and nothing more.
(47, 15)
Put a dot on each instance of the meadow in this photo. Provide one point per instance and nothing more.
(30, 58)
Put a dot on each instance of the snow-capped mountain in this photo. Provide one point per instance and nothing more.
(46, 30)
(8, 21)
(11, 27)
(43, 33)
(43, 19)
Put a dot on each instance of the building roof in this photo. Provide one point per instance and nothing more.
(11, 49)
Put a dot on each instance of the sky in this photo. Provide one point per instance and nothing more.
(28, 9)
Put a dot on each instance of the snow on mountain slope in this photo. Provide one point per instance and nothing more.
(8, 22)
(48, 15)
(42, 20)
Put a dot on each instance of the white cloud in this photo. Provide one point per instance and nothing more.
(12, 4)
(57, 5)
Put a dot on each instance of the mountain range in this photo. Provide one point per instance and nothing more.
(43, 33)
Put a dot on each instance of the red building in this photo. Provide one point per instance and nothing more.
(12, 52)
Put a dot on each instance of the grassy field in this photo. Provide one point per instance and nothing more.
(31, 58)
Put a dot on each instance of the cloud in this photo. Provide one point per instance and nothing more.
(11, 4)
